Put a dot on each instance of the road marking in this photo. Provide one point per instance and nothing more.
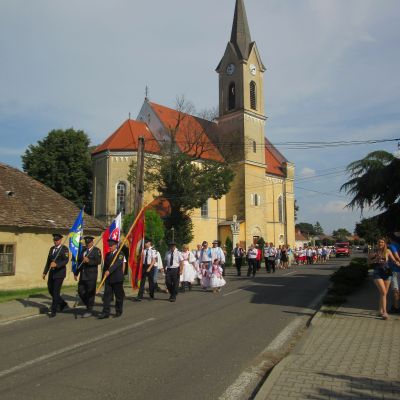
(233, 292)
(73, 347)
(290, 273)
(248, 287)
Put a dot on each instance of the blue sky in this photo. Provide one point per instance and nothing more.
(332, 74)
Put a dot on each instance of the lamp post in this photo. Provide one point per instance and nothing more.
(173, 234)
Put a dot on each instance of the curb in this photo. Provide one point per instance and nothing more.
(251, 382)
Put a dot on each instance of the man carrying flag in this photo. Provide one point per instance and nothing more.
(113, 232)
(57, 260)
(89, 259)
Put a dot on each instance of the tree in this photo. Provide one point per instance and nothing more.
(341, 234)
(62, 162)
(369, 230)
(318, 229)
(306, 228)
(375, 182)
(182, 175)
(229, 250)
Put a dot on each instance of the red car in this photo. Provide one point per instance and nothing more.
(342, 249)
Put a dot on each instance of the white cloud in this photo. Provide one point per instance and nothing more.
(307, 172)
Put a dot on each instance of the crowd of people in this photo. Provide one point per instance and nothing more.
(205, 266)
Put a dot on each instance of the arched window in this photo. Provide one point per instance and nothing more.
(253, 95)
(254, 146)
(232, 96)
(121, 197)
(281, 209)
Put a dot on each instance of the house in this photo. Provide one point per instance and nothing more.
(30, 213)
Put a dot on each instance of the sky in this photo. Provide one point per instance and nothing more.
(332, 75)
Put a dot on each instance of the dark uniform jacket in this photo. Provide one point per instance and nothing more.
(116, 270)
(88, 271)
(61, 258)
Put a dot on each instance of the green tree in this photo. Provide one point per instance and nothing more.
(306, 228)
(375, 182)
(62, 162)
(369, 230)
(341, 234)
(182, 175)
(154, 228)
(229, 249)
(318, 229)
(296, 209)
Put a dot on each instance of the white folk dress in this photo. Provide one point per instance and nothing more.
(189, 272)
(217, 280)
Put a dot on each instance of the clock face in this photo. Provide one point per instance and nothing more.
(253, 69)
(230, 69)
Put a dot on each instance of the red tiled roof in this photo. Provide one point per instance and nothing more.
(192, 133)
(125, 138)
(273, 159)
(300, 237)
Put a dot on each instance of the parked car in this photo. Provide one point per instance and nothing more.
(342, 249)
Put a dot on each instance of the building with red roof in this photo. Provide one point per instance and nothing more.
(261, 200)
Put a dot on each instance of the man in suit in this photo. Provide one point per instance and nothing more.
(113, 270)
(89, 260)
(57, 260)
(148, 265)
(172, 269)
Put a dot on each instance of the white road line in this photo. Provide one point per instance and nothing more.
(72, 347)
(263, 285)
(233, 292)
(290, 273)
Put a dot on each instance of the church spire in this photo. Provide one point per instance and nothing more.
(240, 36)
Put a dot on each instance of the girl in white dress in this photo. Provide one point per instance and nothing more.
(188, 269)
(216, 280)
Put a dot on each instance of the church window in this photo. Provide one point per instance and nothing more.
(204, 210)
(121, 197)
(7, 259)
(253, 95)
(254, 146)
(232, 96)
(281, 209)
(255, 199)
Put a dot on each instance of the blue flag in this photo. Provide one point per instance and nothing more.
(75, 236)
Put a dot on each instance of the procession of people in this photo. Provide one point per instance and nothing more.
(182, 269)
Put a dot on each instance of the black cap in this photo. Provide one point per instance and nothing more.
(172, 243)
(57, 236)
(88, 239)
(215, 241)
(147, 240)
(112, 241)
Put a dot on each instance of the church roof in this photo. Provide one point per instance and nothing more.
(191, 133)
(240, 36)
(25, 203)
(125, 138)
(274, 160)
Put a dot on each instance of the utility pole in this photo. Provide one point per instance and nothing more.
(139, 187)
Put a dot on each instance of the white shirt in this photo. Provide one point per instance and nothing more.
(217, 254)
(151, 255)
(252, 253)
(176, 259)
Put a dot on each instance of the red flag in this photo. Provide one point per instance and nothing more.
(136, 244)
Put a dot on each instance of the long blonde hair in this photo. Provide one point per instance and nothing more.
(385, 248)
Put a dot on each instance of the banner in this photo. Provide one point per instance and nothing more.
(75, 237)
(136, 245)
(112, 232)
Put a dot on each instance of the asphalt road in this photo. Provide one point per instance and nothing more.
(192, 349)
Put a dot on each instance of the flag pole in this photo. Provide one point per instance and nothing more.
(120, 248)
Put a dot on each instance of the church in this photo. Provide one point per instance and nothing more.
(260, 202)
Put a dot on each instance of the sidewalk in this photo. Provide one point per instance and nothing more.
(351, 354)
(39, 304)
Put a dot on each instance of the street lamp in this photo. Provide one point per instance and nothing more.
(173, 234)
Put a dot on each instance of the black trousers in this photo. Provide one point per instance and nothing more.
(252, 267)
(238, 264)
(54, 287)
(269, 265)
(116, 289)
(150, 277)
(87, 292)
(172, 281)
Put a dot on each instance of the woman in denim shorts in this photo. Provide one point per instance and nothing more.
(382, 273)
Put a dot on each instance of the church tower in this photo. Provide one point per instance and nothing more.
(241, 123)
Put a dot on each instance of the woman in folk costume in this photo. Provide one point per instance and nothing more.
(205, 265)
(188, 269)
(216, 279)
